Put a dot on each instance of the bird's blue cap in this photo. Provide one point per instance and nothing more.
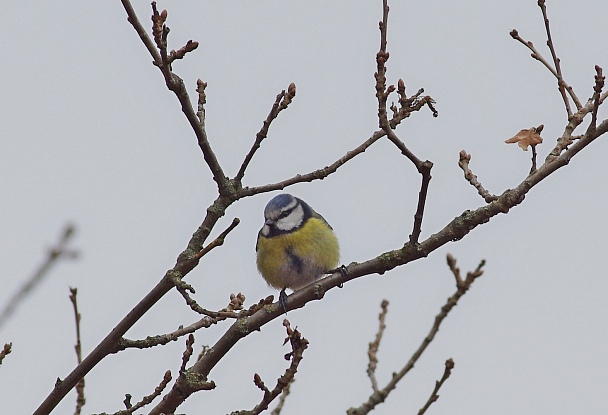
(278, 202)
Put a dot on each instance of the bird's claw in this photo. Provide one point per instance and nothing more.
(283, 300)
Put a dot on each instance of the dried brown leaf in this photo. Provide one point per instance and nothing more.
(525, 138)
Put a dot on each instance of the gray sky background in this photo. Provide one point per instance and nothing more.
(90, 135)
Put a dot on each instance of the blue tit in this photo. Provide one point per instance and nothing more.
(296, 245)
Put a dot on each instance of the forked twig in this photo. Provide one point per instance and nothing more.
(146, 400)
(407, 106)
(57, 252)
(564, 88)
(298, 345)
(462, 286)
(561, 84)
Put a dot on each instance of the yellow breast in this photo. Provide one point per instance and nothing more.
(297, 258)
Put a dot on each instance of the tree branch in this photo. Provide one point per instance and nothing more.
(281, 102)
(375, 345)
(176, 85)
(230, 191)
(298, 345)
(462, 287)
(6, 350)
(59, 251)
(80, 399)
(449, 365)
(146, 399)
(463, 162)
(562, 85)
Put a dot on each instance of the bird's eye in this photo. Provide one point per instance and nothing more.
(284, 214)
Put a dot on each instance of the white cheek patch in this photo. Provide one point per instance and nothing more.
(292, 221)
(291, 204)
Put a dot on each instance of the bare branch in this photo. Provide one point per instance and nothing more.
(463, 162)
(5, 351)
(449, 365)
(409, 105)
(59, 251)
(561, 83)
(146, 399)
(298, 345)
(176, 84)
(259, 315)
(187, 354)
(281, 102)
(375, 345)
(163, 339)
(80, 399)
(202, 100)
(143, 35)
(236, 303)
(597, 95)
(382, 93)
(219, 241)
(379, 396)
(319, 174)
(566, 140)
(533, 168)
(277, 410)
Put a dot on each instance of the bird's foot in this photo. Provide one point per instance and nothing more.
(342, 270)
(283, 300)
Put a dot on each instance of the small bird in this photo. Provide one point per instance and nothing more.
(296, 245)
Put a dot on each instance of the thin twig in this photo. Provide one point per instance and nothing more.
(183, 288)
(407, 106)
(146, 399)
(298, 345)
(463, 162)
(176, 85)
(562, 85)
(533, 168)
(379, 396)
(277, 410)
(449, 365)
(597, 93)
(319, 174)
(566, 139)
(162, 339)
(282, 101)
(372, 352)
(229, 193)
(80, 399)
(202, 100)
(187, 354)
(219, 241)
(7, 349)
(59, 251)
(143, 35)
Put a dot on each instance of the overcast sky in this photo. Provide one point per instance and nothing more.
(91, 136)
